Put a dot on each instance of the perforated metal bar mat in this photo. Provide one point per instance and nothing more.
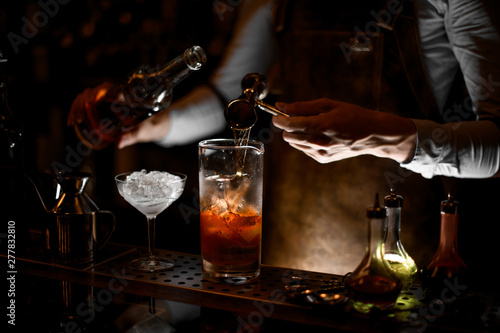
(268, 294)
(187, 274)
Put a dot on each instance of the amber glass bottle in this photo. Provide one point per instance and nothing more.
(446, 270)
(372, 284)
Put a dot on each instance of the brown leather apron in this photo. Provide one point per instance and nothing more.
(314, 214)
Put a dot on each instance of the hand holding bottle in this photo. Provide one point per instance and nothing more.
(87, 98)
(329, 130)
(102, 115)
(151, 129)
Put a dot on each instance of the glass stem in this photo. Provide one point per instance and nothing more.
(152, 306)
(151, 238)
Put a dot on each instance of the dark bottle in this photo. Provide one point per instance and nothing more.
(446, 270)
(372, 285)
(11, 171)
(147, 91)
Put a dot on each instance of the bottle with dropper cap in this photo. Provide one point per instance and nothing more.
(401, 264)
(446, 266)
(372, 284)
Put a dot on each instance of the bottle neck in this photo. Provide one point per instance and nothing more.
(375, 235)
(392, 240)
(150, 89)
(180, 67)
(449, 230)
(175, 71)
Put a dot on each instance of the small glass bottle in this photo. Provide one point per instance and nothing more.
(147, 91)
(446, 267)
(401, 264)
(372, 285)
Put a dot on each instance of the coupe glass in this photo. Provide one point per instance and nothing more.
(151, 196)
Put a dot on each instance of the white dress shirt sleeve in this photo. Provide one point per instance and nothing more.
(200, 113)
(460, 34)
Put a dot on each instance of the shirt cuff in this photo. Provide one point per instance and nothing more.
(427, 151)
(468, 149)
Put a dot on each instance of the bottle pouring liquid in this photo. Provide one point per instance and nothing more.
(147, 91)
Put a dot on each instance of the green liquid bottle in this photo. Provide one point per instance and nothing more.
(372, 285)
(401, 264)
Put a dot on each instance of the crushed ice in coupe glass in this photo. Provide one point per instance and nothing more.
(151, 193)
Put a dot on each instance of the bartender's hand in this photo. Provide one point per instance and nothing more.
(86, 99)
(151, 129)
(329, 130)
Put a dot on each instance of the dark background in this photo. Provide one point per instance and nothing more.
(56, 50)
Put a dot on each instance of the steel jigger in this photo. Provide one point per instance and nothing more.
(241, 112)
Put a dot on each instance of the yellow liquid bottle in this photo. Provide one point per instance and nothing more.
(372, 285)
(401, 264)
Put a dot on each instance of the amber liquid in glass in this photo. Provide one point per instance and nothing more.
(231, 239)
(373, 289)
